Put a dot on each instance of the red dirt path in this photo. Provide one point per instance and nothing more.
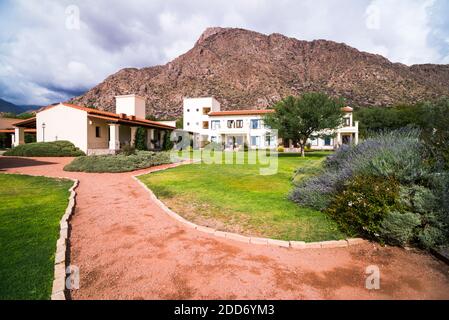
(127, 248)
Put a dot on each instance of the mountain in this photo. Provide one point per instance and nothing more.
(245, 69)
(6, 106)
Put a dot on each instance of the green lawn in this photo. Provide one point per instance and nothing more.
(30, 211)
(236, 198)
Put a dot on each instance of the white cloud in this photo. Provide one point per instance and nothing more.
(43, 61)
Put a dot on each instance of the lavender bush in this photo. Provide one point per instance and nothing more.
(419, 214)
(397, 154)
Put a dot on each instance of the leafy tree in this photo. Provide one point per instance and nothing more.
(297, 118)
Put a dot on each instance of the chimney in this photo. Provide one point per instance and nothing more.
(131, 104)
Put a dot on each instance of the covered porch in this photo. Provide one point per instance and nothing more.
(22, 132)
(109, 135)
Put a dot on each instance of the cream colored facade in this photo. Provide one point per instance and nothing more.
(94, 131)
(203, 117)
(63, 123)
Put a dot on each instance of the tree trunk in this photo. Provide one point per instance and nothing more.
(302, 146)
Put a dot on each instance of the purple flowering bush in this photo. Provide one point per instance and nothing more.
(385, 189)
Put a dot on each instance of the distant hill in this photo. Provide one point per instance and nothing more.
(245, 70)
(6, 106)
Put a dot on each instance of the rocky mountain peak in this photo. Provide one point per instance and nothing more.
(245, 69)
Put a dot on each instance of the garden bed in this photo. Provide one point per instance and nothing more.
(118, 163)
(46, 149)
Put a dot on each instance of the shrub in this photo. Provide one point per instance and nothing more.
(167, 144)
(397, 227)
(398, 154)
(386, 188)
(141, 134)
(281, 149)
(118, 163)
(127, 150)
(46, 149)
(363, 204)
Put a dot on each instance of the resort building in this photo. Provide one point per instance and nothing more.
(235, 129)
(92, 130)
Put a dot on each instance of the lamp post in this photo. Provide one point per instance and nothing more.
(43, 131)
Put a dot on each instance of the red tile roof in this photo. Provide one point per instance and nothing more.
(114, 116)
(240, 112)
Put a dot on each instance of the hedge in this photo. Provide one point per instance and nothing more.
(118, 163)
(46, 149)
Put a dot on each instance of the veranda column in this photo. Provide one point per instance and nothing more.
(19, 134)
(150, 138)
(133, 136)
(13, 139)
(161, 142)
(339, 142)
(114, 137)
(356, 140)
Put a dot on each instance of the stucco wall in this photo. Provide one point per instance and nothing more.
(103, 141)
(131, 105)
(193, 119)
(63, 123)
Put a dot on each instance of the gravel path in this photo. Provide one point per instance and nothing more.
(127, 248)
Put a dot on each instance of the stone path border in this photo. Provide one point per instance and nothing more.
(59, 282)
(242, 238)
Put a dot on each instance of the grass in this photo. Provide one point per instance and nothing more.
(118, 163)
(236, 198)
(30, 212)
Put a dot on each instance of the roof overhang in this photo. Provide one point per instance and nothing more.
(130, 122)
(28, 123)
(13, 131)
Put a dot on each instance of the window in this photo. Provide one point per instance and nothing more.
(327, 141)
(188, 110)
(230, 124)
(239, 124)
(205, 124)
(213, 139)
(206, 110)
(347, 122)
(188, 123)
(197, 110)
(215, 124)
(255, 140)
(255, 124)
(314, 141)
(97, 132)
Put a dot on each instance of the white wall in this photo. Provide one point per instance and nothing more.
(193, 112)
(63, 123)
(131, 104)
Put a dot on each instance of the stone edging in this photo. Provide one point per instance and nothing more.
(245, 239)
(62, 252)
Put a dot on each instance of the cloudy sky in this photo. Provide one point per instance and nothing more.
(52, 50)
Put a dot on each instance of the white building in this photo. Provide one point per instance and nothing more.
(95, 131)
(234, 129)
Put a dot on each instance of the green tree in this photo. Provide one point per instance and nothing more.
(297, 118)
(141, 139)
